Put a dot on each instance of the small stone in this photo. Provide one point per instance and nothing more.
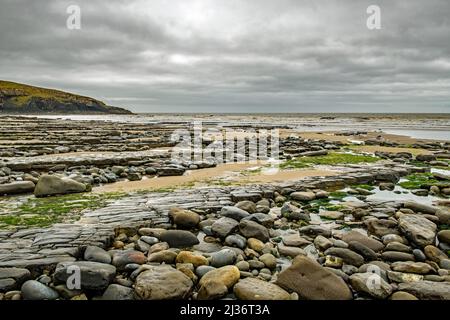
(202, 270)
(255, 244)
(236, 240)
(160, 246)
(334, 215)
(149, 240)
(122, 258)
(434, 254)
(333, 262)
(93, 275)
(443, 216)
(162, 282)
(178, 238)
(363, 250)
(354, 235)
(184, 219)
(251, 229)
(347, 255)
(388, 238)
(223, 257)
(246, 205)
(243, 265)
(361, 282)
(96, 254)
(419, 255)
(118, 292)
(224, 226)
(303, 196)
(190, 257)
(269, 260)
(322, 243)
(290, 251)
(294, 240)
(212, 289)
(397, 256)
(228, 275)
(233, 213)
(444, 236)
(164, 256)
(397, 246)
(256, 264)
(401, 295)
(255, 289)
(412, 267)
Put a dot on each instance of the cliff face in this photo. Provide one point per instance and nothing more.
(23, 99)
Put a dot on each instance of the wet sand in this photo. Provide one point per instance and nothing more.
(373, 149)
(232, 171)
(331, 136)
(176, 181)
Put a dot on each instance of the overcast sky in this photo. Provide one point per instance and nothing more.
(234, 55)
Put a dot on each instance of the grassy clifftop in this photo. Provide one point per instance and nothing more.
(21, 99)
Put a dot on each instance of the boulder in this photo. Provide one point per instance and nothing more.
(93, 275)
(418, 229)
(34, 290)
(427, 290)
(52, 185)
(16, 187)
(312, 281)
(419, 207)
(10, 278)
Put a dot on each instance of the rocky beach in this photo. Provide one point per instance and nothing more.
(329, 214)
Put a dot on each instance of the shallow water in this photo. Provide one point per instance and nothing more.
(421, 134)
(438, 129)
(386, 195)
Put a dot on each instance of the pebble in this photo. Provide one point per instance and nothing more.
(222, 258)
(269, 260)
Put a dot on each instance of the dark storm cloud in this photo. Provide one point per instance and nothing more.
(234, 56)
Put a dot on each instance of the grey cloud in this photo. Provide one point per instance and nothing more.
(234, 56)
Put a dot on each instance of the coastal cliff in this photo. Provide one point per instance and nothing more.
(16, 98)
